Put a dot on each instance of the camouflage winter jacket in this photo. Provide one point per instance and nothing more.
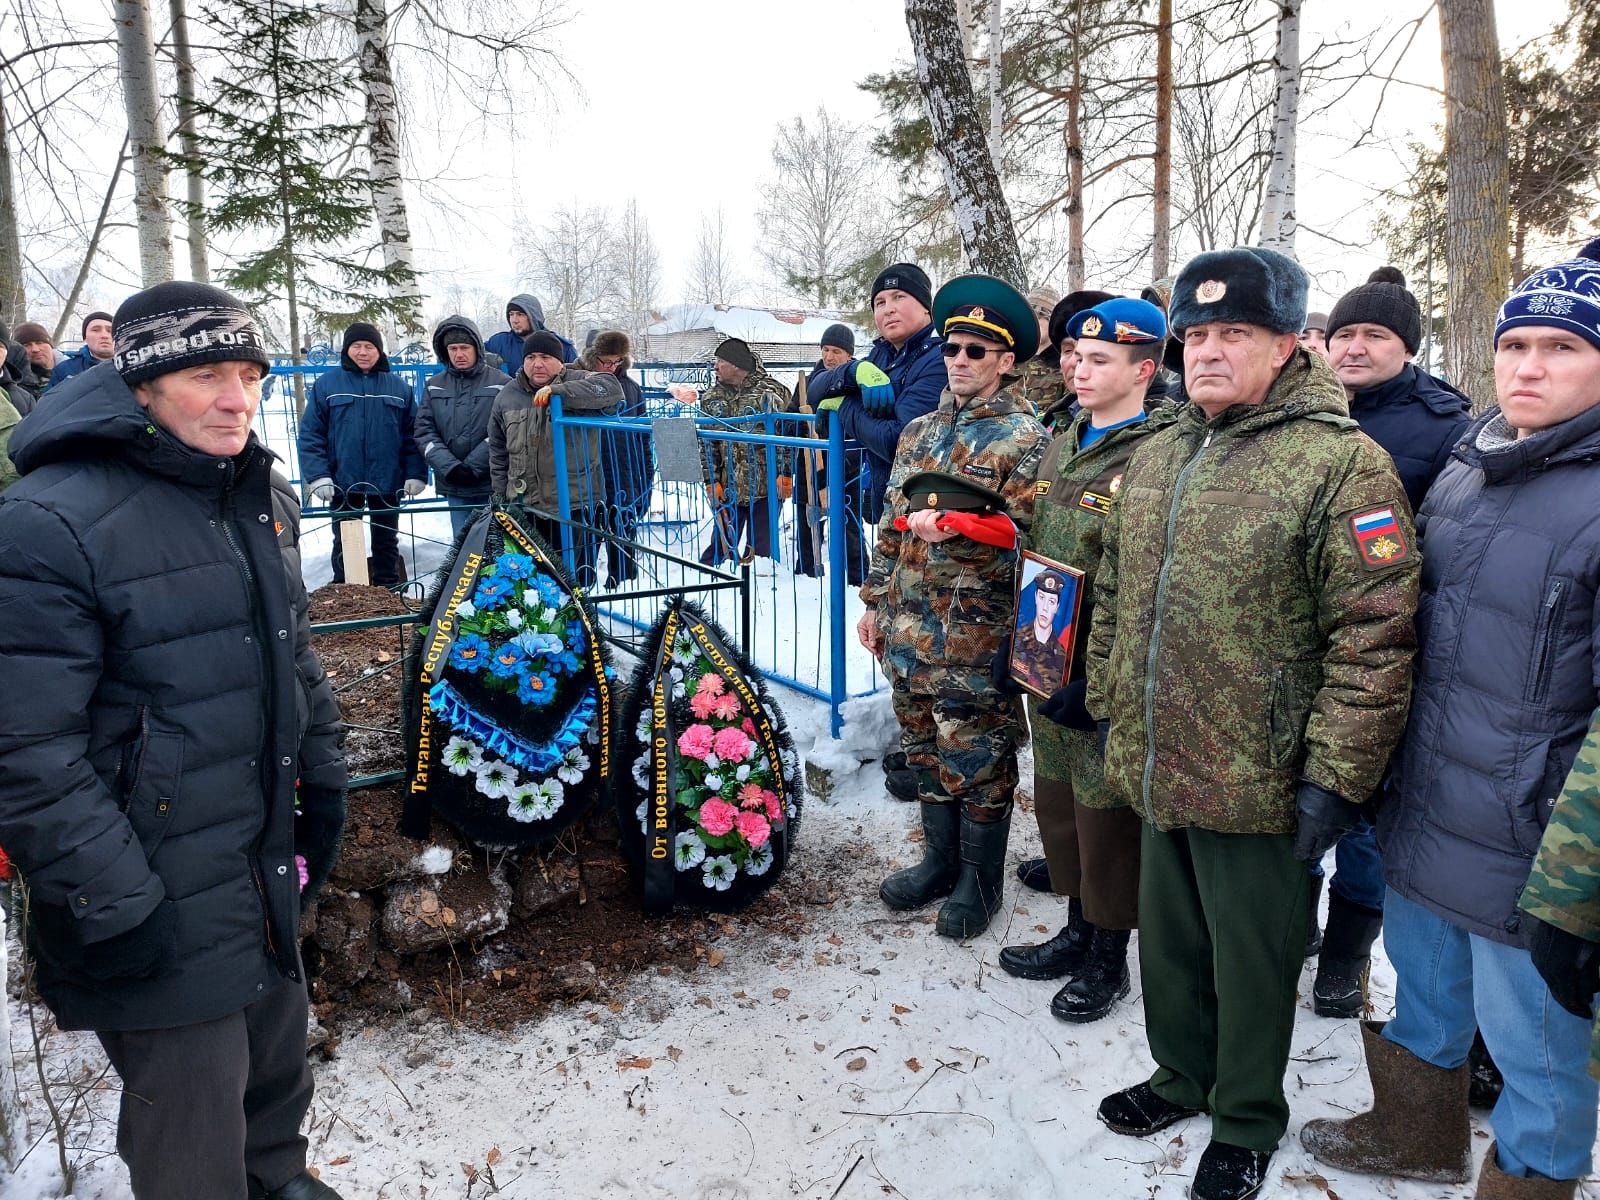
(1254, 611)
(1074, 497)
(741, 467)
(943, 607)
(1039, 381)
(1564, 887)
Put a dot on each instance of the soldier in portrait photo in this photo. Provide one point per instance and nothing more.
(1042, 641)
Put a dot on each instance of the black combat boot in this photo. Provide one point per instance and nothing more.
(303, 1187)
(1229, 1172)
(1140, 1111)
(899, 777)
(1062, 955)
(1314, 923)
(1100, 983)
(983, 867)
(1340, 989)
(1035, 873)
(935, 875)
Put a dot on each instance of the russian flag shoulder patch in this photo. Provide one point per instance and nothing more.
(1379, 540)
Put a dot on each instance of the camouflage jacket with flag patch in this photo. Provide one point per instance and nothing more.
(1254, 611)
(1074, 498)
(943, 607)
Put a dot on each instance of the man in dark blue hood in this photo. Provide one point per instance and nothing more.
(358, 448)
(525, 315)
(170, 745)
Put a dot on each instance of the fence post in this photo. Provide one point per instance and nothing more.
(838, 571)
(774, 501)
(558, 447)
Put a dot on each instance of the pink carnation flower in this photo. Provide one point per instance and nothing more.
(696, 741)
(754, 828)
(710, 685)
(727, 707)
(774, 806)
(703, 705)
(731, 745)
(717, 816)
(751, 796)
(748, 726)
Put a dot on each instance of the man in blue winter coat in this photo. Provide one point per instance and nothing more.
(874, 411)
(1373, 333)
(358, 448)
(170, 745)
(96, 348)
(525, 315)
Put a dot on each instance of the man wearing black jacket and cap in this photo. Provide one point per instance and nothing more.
(171, 770)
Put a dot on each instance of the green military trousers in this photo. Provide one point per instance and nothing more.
(1222, 932)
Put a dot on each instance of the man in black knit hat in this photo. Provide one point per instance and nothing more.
(170, 745)
(96, 348)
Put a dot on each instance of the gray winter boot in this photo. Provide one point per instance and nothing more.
(1418, 1126)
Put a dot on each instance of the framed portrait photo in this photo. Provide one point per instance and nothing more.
(1049, 595)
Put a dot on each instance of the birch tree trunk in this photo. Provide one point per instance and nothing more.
(982, 215)
(383, 144)
(1075, 263)
(136, 66)
(189, 145)
(1277, 214)
(1478, 215)
(1161, 241)
(997, 45)
(13, 295)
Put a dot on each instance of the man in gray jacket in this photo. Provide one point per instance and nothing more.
(452, 424)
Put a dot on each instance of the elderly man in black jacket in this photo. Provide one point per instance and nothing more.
(171, 770)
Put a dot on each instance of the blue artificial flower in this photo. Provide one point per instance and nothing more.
(470, 653)
(508, 662)
(539, 645)
(565, 663)
(515, 566)
(536, 689)
(550, 591)
(493, 592)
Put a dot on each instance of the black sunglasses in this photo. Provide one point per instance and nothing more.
(975, 353)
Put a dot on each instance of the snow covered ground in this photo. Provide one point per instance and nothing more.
(866, 1057)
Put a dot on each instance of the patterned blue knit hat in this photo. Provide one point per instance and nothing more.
(1566, 296)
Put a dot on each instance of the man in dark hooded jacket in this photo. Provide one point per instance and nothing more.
(452, 427)
(525, 315)
(170, 745)
(358, 448)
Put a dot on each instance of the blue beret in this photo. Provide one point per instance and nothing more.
(1120, 320)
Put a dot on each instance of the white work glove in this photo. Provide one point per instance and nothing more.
(414, 488)
(321, 490)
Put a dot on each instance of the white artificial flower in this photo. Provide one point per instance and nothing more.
(514, 618)
(462, 757)
(760, 861)
(573, 766)
(642, 731)
(743, 773)
(644, 821)
(531, 599)
(641, 770)
(466, 609)
(713, 783)
(689, 851)
(496, 780)
(718, 872)
(524, 804)
(712, 762)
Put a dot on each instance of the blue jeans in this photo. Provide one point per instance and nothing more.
(1358, 871)
(460, 518)
(1448, 982)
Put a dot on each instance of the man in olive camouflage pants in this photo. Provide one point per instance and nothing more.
(1250, 663)
(940, 601)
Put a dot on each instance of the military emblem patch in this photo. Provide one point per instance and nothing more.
(1115, 485)
(1210, 291)
(1379, 538)
(1095, 503)
(1042, 488)
(977, 314)
(1092, 327)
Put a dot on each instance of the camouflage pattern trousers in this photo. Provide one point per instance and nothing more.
(962, 743)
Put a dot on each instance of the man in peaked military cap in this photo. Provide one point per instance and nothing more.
(937, 639)
(1249, 661)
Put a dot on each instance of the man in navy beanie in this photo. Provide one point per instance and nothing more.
(171, 771)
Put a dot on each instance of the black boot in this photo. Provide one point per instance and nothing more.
(983, 866)
(935, 875)
(303, 1187)
(1035, 873)
(1340, 989)
(1314, 924)
(899, 778)
(1102, 981)
(1140, 1111)
(1062, 955)
(1487, 1082)
(1229, 1172)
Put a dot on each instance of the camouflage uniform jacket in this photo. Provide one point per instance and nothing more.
(741, 467)
(1251, 629)
(1074, 497)
(944, 607)
(1564, 887)
(1039, 381)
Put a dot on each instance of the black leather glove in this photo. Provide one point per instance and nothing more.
(1569, 966)
(1324, 817)
(1066, 707)
(1000, 671)
(318, 835)
(1102, 730)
